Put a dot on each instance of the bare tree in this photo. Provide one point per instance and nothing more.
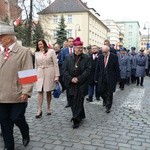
(30, 9)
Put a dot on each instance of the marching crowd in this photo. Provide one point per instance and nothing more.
(81, 72)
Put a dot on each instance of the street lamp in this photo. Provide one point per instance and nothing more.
(148, 44)
(77, 28)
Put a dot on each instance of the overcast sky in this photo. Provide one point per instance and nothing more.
(122, 10)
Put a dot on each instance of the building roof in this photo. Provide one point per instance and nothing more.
(129, 22)
(65, 6)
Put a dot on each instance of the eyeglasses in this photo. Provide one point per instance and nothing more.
(79, 48)
(94, 48)
(104, 52)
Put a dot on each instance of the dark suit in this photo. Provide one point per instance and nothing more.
(92, 83)
(77, 92)
(112, 50)
(64, 53)
(107, 77)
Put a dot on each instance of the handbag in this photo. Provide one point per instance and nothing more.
(57, 90)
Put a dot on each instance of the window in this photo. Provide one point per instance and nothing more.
(130, 26)
(129, 45)
(130, 40)
(130, 33)
(54, 33)
(69, 18)
(55, 19)
(69, 33)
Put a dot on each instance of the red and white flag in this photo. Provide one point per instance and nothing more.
(27, 76)
(16, 23)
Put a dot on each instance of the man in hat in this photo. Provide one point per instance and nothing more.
(124, 65)
(133, 65)
(77, 68)
(1, 49)
(141, 66)
(13, 95)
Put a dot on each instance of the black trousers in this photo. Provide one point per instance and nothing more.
(68, 98)
(62, 83)
(107, 95)
(122, 83)
(133, 78)
(140, 81)
(77, 107)
(11, 114)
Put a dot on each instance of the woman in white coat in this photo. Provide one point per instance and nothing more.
(47, 73)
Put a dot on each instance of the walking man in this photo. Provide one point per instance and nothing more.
(92, 88)
(107, 75)
(13, 95)
(77, 68)
(65, 52)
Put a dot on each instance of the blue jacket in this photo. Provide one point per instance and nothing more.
(141, 65)
(64, 53)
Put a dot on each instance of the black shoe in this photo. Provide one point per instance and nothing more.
(1, 133)
(97, 98)
(8, 149)
(49, 113)
(89, 99)
(75, 126)
(39, 115)
(141, 84)
(67, 106)
(137, 84)
(104, 104)
(107, 110)
(122, 88)
(26, 141)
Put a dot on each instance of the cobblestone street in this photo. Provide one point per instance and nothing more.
(126, 127)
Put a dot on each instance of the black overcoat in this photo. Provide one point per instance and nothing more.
(93, 67)
(82, 72)
(112, 72)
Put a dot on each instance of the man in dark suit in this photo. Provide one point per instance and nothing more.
(107, 75)
(65, 52)
(112, 50)
(92, 88)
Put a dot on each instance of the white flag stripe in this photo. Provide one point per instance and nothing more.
(27, 73)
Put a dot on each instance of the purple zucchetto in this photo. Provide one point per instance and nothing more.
(77, 42)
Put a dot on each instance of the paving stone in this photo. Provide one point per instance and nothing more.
(126, 127)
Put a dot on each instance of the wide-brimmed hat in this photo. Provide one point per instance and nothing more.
(6, 29)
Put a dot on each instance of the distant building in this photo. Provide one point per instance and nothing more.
(132, 35)
(9, 9)
(80, 20)
(115, 34)
(144, 41)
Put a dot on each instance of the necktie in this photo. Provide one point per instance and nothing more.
(105, 60)
(6, 53)
(70, 50)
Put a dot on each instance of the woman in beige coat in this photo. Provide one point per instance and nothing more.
(47, 73)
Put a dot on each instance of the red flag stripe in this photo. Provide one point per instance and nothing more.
(28, 80)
